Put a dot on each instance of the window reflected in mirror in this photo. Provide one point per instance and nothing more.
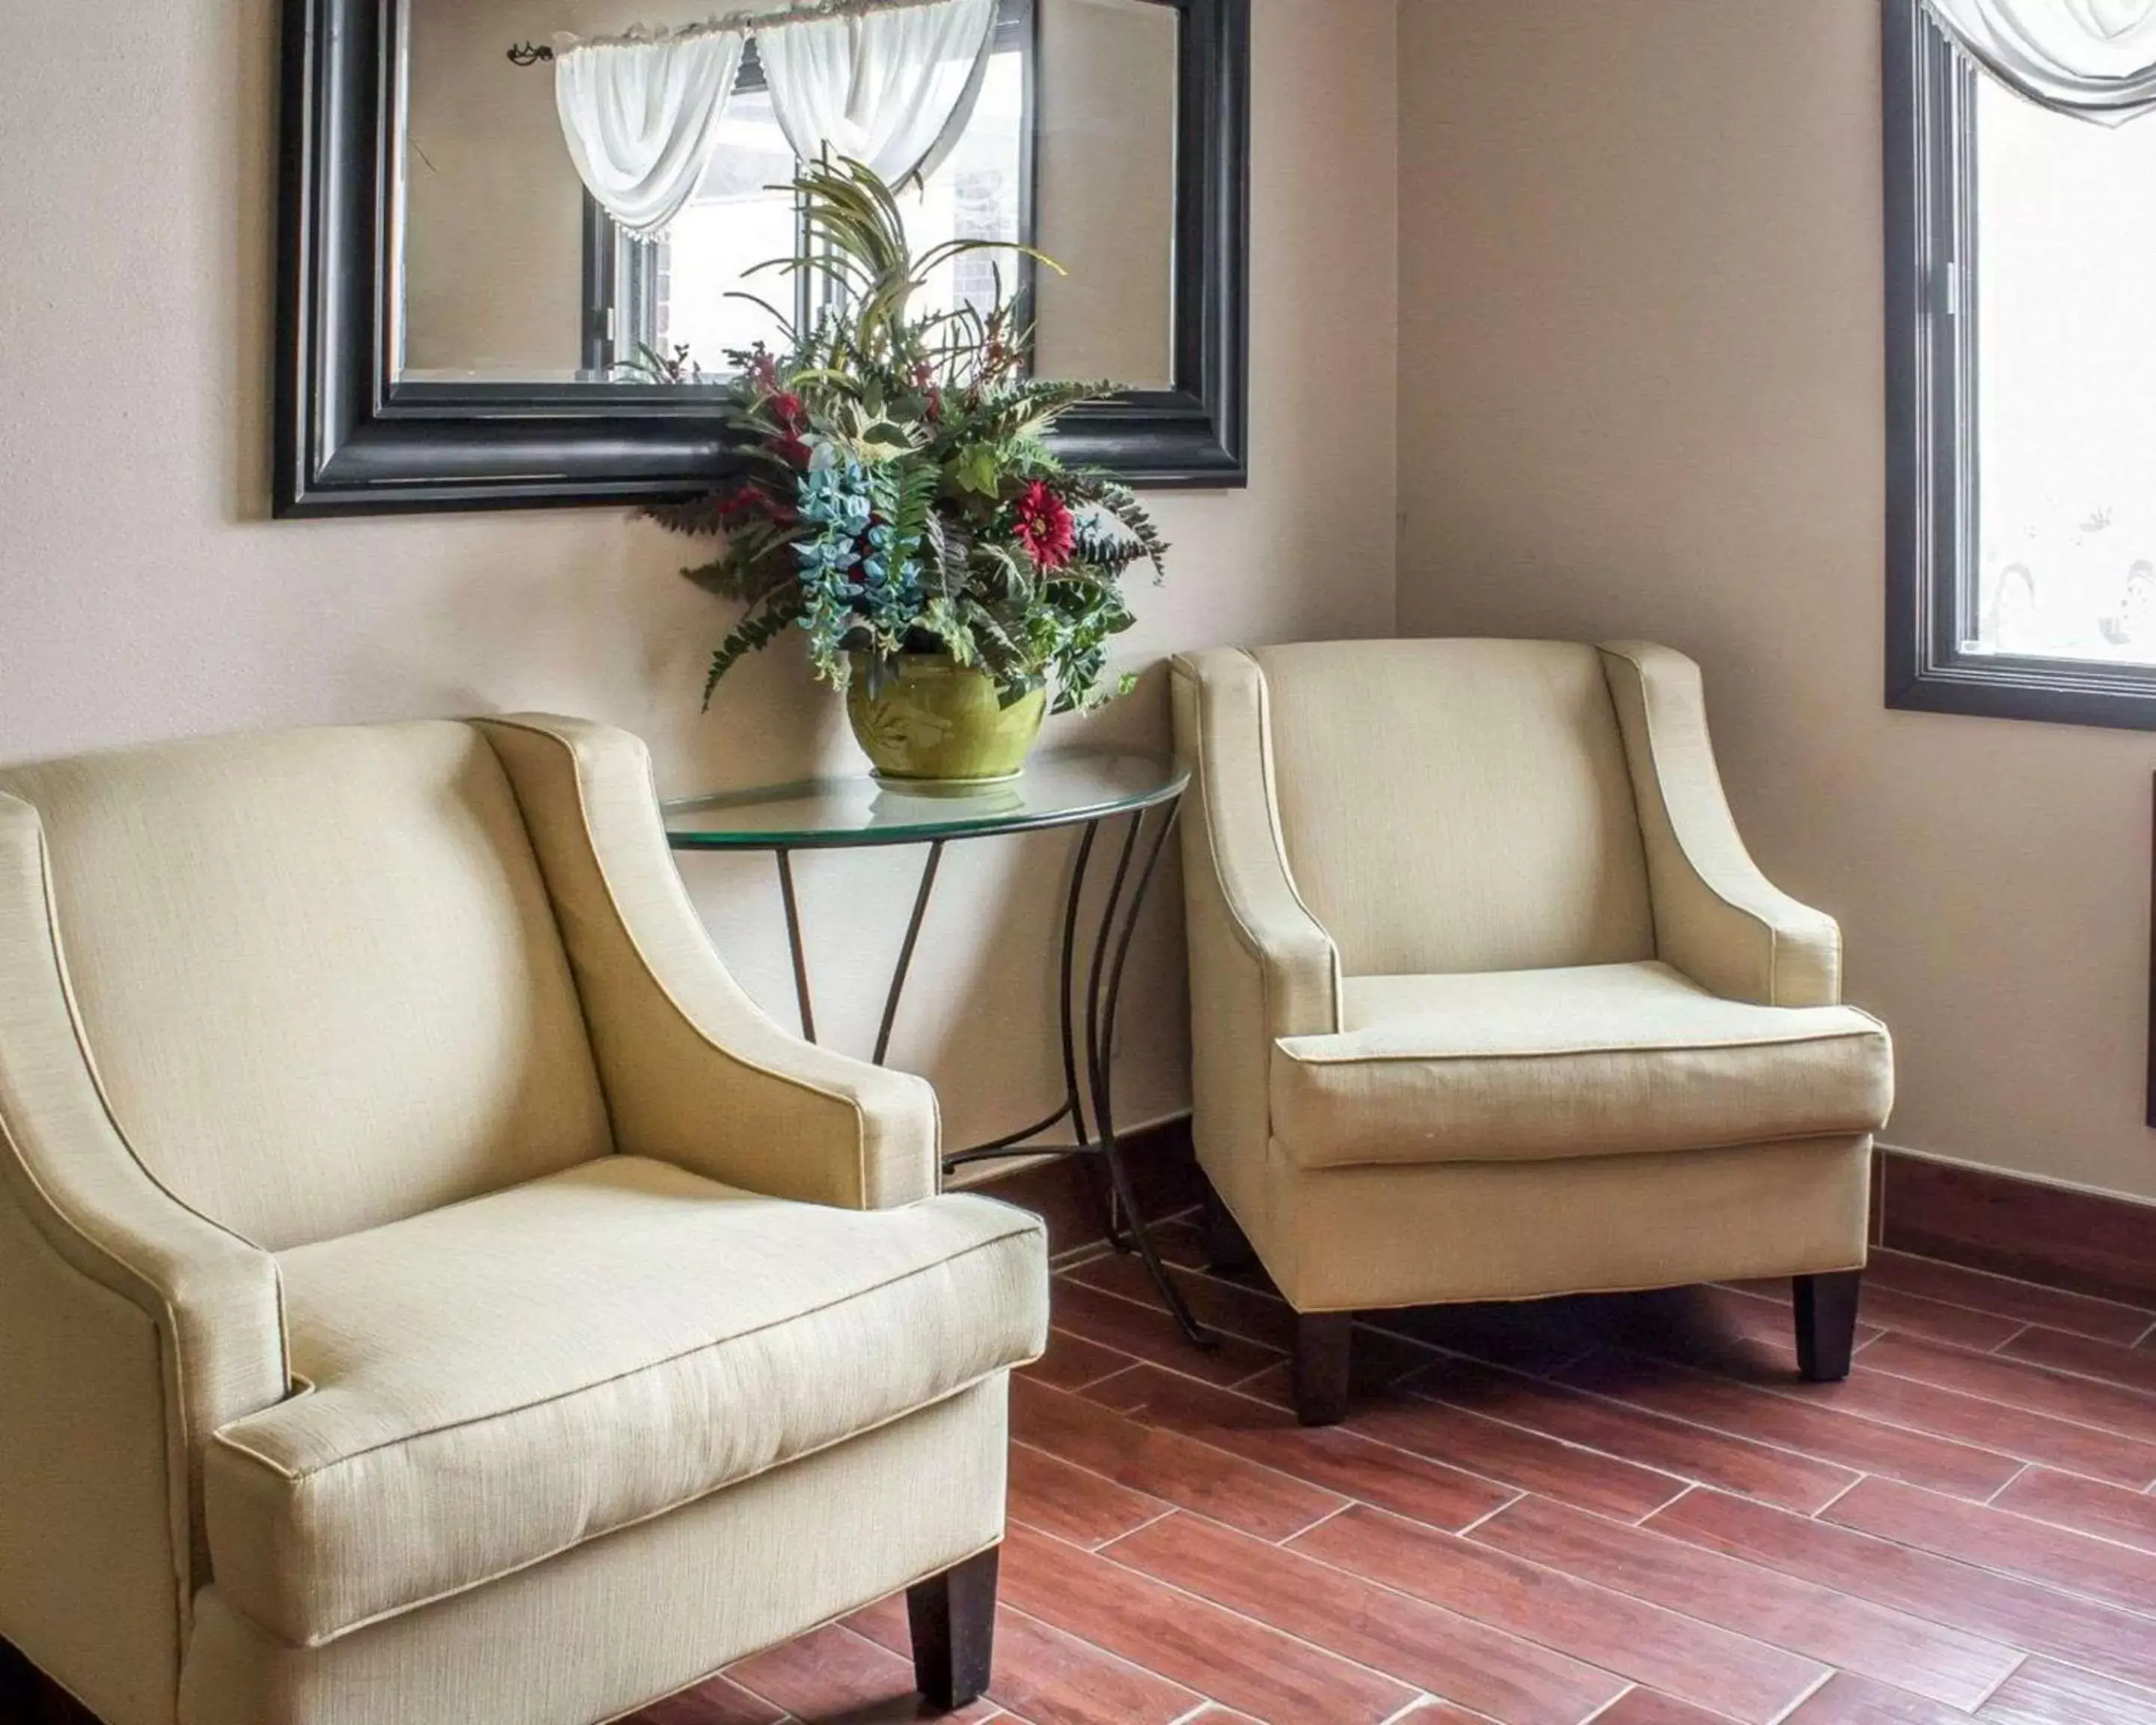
(1049, 122)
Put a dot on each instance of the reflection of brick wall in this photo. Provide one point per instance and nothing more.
(987, 208)
(662, 296)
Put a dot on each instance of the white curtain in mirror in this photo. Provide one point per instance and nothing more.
(892, 87)
(2095, 59)
(643, 117)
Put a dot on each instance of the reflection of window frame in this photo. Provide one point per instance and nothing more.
(1933, 558)
(618, 273)
(622, 278)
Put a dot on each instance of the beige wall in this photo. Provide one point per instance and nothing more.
(494, 212)
(142, 594)
(1641, 395)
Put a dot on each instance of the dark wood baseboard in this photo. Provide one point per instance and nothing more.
(1987, 1220)
(1162, 1163)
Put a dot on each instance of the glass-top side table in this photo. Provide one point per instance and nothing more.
(1080, 789)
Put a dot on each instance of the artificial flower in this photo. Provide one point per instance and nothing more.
(1044, 526)
(905, 497)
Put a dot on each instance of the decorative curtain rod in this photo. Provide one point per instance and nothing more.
(533, 54)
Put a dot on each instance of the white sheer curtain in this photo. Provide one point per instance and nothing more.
(642, 119)
(2095, 59)
(891, 87)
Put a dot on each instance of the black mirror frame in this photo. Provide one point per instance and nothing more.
(351, 440)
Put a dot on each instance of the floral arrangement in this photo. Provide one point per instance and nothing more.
(897, 495)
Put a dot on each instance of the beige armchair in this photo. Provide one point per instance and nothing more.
(431, 1293)
(1489, 1002)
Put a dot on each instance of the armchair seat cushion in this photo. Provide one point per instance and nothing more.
(1600, 1060)
(487, 1385)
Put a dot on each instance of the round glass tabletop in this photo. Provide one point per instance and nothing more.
(1067, 787)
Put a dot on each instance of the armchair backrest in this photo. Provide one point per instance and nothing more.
(1457, 805)
(316, 974)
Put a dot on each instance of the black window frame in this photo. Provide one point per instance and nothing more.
(1932, 472)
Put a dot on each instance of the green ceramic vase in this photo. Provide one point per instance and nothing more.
(932, 722)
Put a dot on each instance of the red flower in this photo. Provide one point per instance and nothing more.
(752, 501)
(791, 414)
(1043, 526)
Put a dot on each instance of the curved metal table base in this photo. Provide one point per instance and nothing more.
(1088, 1037)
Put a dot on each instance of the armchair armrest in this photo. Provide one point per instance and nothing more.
(1717, 917)
(1235, 847)
(67, 1170)
(694, 1072)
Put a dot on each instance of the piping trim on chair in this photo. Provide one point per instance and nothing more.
(1583, 1051)
(795, 1079)
(1206, 766)
(1270, 772)
(462, 1588)
(1032, 1224)
(1772, 931)
(179, 1427)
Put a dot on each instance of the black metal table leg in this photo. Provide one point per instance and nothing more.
(1101, 1009)
(1087, 1075)
(1069, 978)
(1074, 1103)
(794, 941)
(1097, 1187)
(905, 953)
(1096, 974)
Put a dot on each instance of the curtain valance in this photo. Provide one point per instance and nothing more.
(642, 118)
(891, 87)
(2095, 59)
(891, 84)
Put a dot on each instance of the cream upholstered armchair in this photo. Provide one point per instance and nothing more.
(430, 1292)
(1491, 1003)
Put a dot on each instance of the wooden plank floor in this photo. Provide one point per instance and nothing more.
(1627, 1511)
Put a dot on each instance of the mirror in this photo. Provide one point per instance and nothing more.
(518, 232)
(512, 271)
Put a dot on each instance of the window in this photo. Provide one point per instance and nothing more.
(2021, 397)
(671, 301)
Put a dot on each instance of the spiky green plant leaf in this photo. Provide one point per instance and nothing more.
(896, 461)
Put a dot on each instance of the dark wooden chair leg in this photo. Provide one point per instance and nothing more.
(1826, 1324)
(1227, 1247)
(953, 1619)
(1322, 1348)
(20, 1685)
(27, 1697)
